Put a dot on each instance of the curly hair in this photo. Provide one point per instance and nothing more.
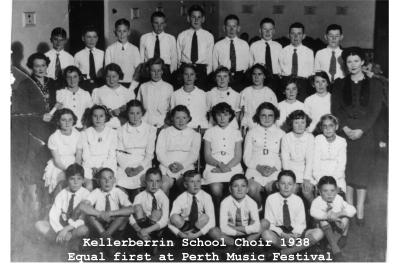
(295, 115)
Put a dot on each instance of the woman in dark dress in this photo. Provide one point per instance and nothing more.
(357, 101)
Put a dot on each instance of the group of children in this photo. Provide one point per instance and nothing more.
(126, 147)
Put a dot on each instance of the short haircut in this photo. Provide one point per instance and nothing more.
(295, 115)
(291, 80)
(221, 69)
(74, 169)
(157, 14)
(155, 60)
(116, 68)
(267, 20)
(37, 56)
(181, 108)
(71, 69)
(334, 27)
(153, 171)
(323, 75)
(58, 32)
(297, 25)
(288, 173)
(187, 66)
(326, 180)
(262, 106)
(190, 174)
(194, 8)
(89, 28)
(96, 107)
(237, 177)
(63, 111)
(222, 108)
(353, 51)
(134, 103)
(231, 17)
(105, 169)
(260, 67)
(122, 21)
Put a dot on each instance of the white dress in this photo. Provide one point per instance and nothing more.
(135, 148)
(66, 146)
(317, 106)
(286, 108)
(223, 143)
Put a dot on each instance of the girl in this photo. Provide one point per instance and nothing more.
(224, 93)
(290, 104)
(297, 151)
(330, 153)
(135, 149)
(252, 96)
(178, 148)
(113, 95)
(222, 151)
(98, 144)
(63, 145)
(72, 96)
(320, 103)
(262, 151)
(192, 97)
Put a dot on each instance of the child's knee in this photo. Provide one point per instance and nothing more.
(138, 212)
(269, 187)
(156, 215)
(81, 231)
(324, 224)
(254, 188)
(217, 189)
(264, 224)
(268, 235)
(89, 184)
(177, 220)
(215, 233)
(202, 221)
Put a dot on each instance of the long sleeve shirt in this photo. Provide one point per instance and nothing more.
(118, 199)
(319, 208)
(66, 59)
(305, 61)
(82, 61)
(221, 54)
(323, 62)
(257, 54)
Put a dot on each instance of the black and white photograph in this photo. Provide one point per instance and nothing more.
(199, 131)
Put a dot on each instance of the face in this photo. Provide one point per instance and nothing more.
(296, 36)
(180, 120)
(122, 33)
(258, 77)
(58, 42)
(75, 182)
(222, 79)
(231, 28)
(112, 79)
(329, 128)
(267, 118)
(90, 39)
(239, 189)
(72, 79)
(196, 19)
(328, 192)
(193, 185)
(320, 84)
(334, 37)
(135, 115)
(267, 31)
(39, 68)
(156, 72)
(299, 126)
(286, 186)
(354, 64)
(291, 91)
(189, 76)
(99, 118)
(223, 119)
(66, 122)
(158, 24)
(107, 181)
(153, 183)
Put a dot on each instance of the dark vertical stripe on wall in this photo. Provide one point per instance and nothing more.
(381, 35)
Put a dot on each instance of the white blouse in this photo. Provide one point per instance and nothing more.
(286, 108)
(317, 106)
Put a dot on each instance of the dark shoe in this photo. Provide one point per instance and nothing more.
(360, 222)
(342, 242)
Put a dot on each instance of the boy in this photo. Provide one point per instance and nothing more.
(122, 52)
(233, 53)
(64, 224)
(330, 59)
(266, 52)
(239, 213)
(101, 202)
(59, 59)
(194, 46)
(159, 44)
(297, 61)
(90, 59)
(285, 212)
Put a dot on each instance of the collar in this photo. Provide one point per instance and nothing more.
(55, 51)
(88, 49)
(109, 192)
(297, 48)
(237, 203)
(283, 198)
(132, 129)
(337, 49)
(77, 92)
(156, 83)
(190, 93)
(155, 34)
(269, 41)
(123, 45)
(176, 132)
(229, 39)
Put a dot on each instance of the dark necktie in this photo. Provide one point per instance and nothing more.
(238, 217)
(153, 203)
(123, 48)
(286, 214)
(294, 63)
(157, 53)
(193, 215)
(70, 206)
(332, 66)
(92, 68)
(194, 53)
(58, 72)
(108, 205)
(232, 57)
(268, 61)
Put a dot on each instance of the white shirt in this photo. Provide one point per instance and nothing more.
(78, 102)
(330, 159)
(248, 212)
(167, 48)
(112, 98)
(205, 41)
(64, 145)
(183, 204)
(66, 59)
(196, 102)
(298, 155)
(230, 96)
(156, 97)
(128, 58)
(118, 199)
(305, 60)
(286, 108)
(316, 106)
(221, 54)
(145, 199)
(323, 61)
(319, 208)
(274, 212)
(83, 63)
(257, 54)
(60, 208)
